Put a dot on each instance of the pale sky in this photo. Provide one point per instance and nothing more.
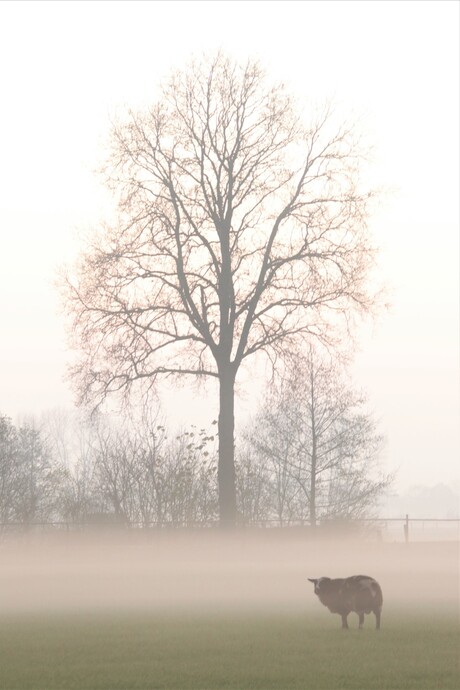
(67, 67)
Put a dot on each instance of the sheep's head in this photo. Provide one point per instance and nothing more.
(320, 583)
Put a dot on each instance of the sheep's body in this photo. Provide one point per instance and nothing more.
(359, 593)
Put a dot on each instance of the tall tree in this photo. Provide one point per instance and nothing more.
(240, 230)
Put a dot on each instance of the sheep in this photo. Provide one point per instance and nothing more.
(358, 593)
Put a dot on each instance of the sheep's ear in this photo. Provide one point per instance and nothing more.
(310, 580)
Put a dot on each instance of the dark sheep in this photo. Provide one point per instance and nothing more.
(358, 593)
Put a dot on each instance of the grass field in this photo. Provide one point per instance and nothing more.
(214, 612)
(65, 651)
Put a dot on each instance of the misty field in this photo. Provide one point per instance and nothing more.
(232, 651)
(211, 613)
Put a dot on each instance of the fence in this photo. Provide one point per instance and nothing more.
(421, 529)
(383, 529)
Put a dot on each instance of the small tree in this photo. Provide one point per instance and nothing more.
(72, 440)
(253, 488)
(268, 441)
(319, 445)
(241, 231)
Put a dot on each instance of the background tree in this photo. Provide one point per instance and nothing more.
(240, 230)
(268, 440)
(253, 488)
(319, 445)
(151, 480)
(72, 440)
(31, 482)
(131, 471)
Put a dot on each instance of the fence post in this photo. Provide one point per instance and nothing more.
(406, 529)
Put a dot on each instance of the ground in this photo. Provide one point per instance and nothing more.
(235, 613)
(240, 652)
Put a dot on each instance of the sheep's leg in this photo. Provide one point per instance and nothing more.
(344, 621)
(361, 620)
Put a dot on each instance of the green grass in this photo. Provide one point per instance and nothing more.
(256, 651)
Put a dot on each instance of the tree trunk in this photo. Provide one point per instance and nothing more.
(314, 448)
(313, 485)
(226, 466)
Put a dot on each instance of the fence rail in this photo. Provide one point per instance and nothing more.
(385, 529)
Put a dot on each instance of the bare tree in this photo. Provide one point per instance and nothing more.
(253, 488)
(153, 480)
(269, 440)
(240, 230)
(319, 445)
(72, 437)
(125, 470)
(11, 479)
(187, 473)
(31, 482)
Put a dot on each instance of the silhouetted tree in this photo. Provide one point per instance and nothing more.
(240, 230)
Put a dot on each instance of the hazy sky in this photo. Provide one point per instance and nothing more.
(67, 67)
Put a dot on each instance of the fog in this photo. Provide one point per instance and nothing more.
(216, 573)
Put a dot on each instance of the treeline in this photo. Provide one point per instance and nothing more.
(76, 470)
(311, 453)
